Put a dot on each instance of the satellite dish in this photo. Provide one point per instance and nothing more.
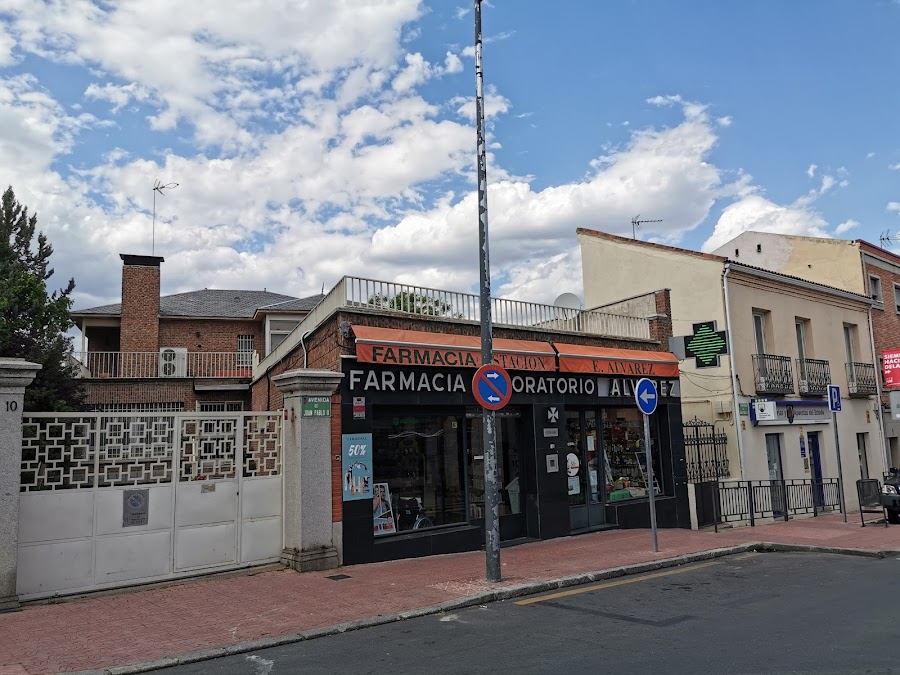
(567, 306)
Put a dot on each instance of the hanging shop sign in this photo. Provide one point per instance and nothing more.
(706, 344)
(356, 465)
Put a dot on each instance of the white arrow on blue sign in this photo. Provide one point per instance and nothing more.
(834, 398)
(645, 396)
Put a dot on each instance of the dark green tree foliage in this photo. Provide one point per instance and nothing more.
(414, 303)
(33, 322)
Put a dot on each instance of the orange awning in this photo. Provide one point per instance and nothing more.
(615, 362)
(392, 346)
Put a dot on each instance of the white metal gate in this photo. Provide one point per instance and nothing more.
(115, 499)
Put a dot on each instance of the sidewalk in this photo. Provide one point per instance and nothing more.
(134, 627)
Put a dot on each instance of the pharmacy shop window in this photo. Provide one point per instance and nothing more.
(418, 463)
(625, 456)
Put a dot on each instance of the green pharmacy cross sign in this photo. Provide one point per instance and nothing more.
(706, 345)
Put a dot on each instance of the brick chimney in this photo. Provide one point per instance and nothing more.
(139, 327)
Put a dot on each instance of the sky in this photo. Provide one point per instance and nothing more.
(313, 139)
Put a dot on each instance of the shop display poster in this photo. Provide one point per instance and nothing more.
(356, 466)
(382, 513)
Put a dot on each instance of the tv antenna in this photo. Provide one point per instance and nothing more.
(885, 239)
(635, 223)
(158, 186)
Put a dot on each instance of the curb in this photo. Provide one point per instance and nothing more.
(505, 593)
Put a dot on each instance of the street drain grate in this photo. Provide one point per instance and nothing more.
(339, 577)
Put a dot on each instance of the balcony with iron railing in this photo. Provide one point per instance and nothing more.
(171, 364)
(772, 374)
(813, 377)
(861, 379)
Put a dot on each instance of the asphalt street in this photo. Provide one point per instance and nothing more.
(751, 613)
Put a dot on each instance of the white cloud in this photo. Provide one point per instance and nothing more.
(811, 171)
(845, 227)
(870, 155)
(755, 212)
(893, 206)
(894, 167)
(726, 121)
(118, 95)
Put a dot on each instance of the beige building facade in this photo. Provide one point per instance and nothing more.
(788, 339)
(854, 265)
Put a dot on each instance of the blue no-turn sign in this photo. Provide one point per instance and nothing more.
(645, 396)
(492, 386)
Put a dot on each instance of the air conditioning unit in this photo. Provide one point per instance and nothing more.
(173, 362)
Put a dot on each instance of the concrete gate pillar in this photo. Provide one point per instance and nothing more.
(308, 540)
(15, 375)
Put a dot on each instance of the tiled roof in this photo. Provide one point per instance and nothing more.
(216, 303)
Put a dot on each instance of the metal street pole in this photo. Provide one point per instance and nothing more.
(491, 491)
(650, 482)
(837, 449)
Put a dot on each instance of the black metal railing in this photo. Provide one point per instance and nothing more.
(861, 379)
(813, 377)
(705, 451)
(777, 499)
(772, 374)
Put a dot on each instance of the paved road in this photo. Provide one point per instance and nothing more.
(753, 613)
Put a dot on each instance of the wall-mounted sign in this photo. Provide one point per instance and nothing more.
(764, 411)
(706, 345)
(799, 412)
(744, 409)
(135, 507)
(359, 407)
(356, 466)
(891, 366)
(315, 406)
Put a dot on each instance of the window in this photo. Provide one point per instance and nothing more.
(418, 469)
(759, 332)
(801, 328)
(850, 341)
(625, 458)
(279, 329)
(220, 406)
(897, 297)
(875, 288)
(861, 443)
(245, 350)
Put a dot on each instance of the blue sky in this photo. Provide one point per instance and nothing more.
(320, 139)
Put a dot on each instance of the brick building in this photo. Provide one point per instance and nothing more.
(569, 449)
(187, 351)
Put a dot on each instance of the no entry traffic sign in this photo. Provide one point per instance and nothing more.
(491, 386)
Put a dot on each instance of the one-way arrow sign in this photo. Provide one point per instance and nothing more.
(645, 396)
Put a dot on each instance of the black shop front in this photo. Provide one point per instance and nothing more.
(570, 451)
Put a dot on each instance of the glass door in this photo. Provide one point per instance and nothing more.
(508, 440)
(585, 467)
(776, 474)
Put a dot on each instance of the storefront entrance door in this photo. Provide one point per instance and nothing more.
(510, 480)
(584, 470)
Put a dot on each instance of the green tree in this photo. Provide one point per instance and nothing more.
(413, 303)
(33, 322)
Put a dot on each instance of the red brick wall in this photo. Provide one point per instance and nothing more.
(885, 321)
(209, 335)
(155, 391)
(140, 309)
(661, 325)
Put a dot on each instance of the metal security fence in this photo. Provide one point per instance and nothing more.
(773, 499)
(705, 449)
